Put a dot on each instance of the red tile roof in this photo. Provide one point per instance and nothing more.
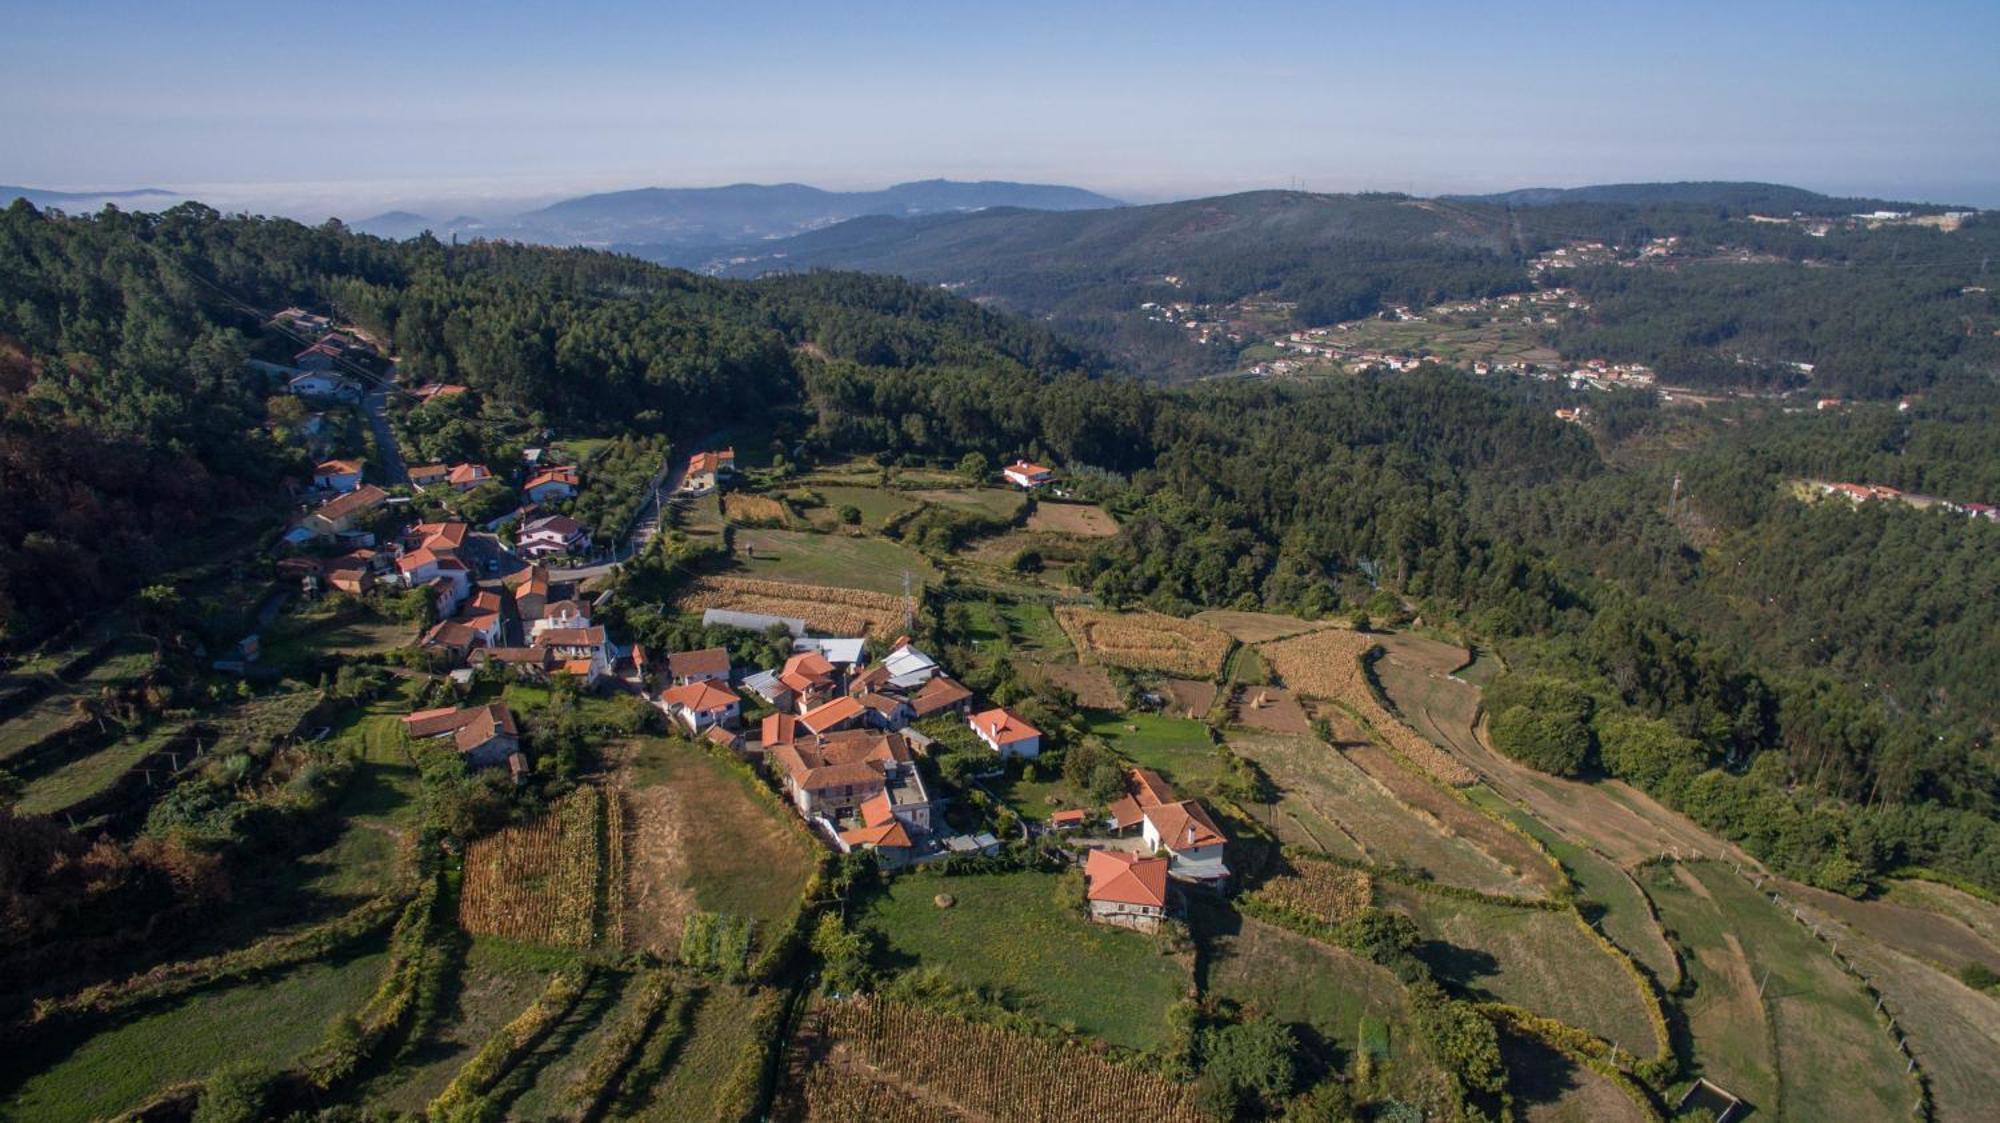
(367, 497)
(700, 697)
(779, 729)
(825, 718)
(1001, 726)
(940, 693)
(707, 661)
(1116, 877)
(1184, 826)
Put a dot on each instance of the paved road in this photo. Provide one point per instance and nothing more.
(647, 525)
(377, 407)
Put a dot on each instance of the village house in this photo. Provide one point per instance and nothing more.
(428, 475)
(882, 831)
(465, 477)
(551, 484)
(810, 679)
(581, 651)
(340, 514)
(710, 664)
(707, 470)
(1026, 475)
(699, 705)
(830, 776)
(480, 623)
(844, 654)
(552, 536)
(885, 711)
(531, 591)
(559, 614)
(337, 475)
(319, 356)
(766, 685)
(485, 736)
(431, 391)
(836, 714)
(1190, 838)
(1125, 889)
(940, 695)
(907, 668)
(324, 384)
(1006, 733)
(1144, 790)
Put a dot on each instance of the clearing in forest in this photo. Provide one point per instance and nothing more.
(1146, 641)
(1084, 520)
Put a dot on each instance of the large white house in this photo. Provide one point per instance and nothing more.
(1005, 733)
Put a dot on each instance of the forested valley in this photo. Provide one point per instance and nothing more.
(1811, 679)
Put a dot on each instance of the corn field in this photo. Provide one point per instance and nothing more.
(851, 612)
(1327, 664)
(1320, 890)
(759, 509)
(984, 1070)
(614, 868)
(538, 882)
(1146, 641)
(839, 1093)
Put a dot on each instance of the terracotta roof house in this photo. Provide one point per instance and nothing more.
(706, 469)
(699, 705)
(939, 695)
(882, 831)
(1023, 474)
(1191, 838)
(840, 713)
(531, 591)
(337, 475)
(832, 775)
(707, 665)
(440, 538)
(339, 514)
(1125, 889)
(885, 711)
(484, 735)
(779, 729)
(553, 483)
(1005, 733)
(428, 475)
(465, 477)
(1069, 819)
(809, 677)
(1144, 789)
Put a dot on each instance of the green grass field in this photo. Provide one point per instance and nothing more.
(877, 505)
(291, 643)
(998, 502)
(1619, 906)
(1007, 933)
(875, 564)
(1532, 958)
(126, 663)
(745, 859)
(1814, 1020)
(1033, 628)
(269, 1022)
(1176, 747)
(87, 776)
(721, 1029)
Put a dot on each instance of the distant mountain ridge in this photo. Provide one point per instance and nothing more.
(1764, 196)
(42, 197)
(664, 222)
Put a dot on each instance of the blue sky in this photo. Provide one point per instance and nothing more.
(413, 100)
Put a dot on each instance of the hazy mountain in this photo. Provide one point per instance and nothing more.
(664, 218)
(138, 198)
(1768, 197)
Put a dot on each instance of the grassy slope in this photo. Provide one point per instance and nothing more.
(1007, 932)
(875, 564)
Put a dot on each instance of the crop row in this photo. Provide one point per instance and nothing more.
(1146, 641)
(538, 881)
(825, 607)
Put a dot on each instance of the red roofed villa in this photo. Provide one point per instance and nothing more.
(1006, 734)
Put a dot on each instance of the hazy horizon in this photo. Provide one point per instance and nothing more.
(493, 108)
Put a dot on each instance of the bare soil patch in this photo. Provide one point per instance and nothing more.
(1085, 520)
(1089, 682)
(658, 896)
(1188, 697)
(1270, 708)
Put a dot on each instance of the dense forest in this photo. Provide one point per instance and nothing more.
(1811, 678)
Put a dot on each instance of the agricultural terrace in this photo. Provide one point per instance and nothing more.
(992, 502)
(877, 505)
(831, 610)
(1820, 1019)
(750, 858)
(1082, 520)
(1327, 803)
(122, 1066)
(1006, 932)
(1325, 993)
(727, 1029)
(61, 710)
(1541, 960)
(553, 881)
(1257, 627)
(1321, 892)
(1328, 664)
(1090, 682)
(812, 559)
(742, 507)
(870, 1059)
(1146, 641)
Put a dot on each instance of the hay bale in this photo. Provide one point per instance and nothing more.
(944, 900)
